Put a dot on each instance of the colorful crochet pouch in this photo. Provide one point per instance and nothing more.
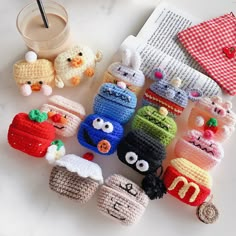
(100, 134)
(122, 200)
(213, 45)
(31, 134)
(75, 177)
(155, 123)
(115, 102)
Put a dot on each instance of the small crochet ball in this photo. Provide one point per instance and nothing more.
(155, 123)
(33, 75)
(115, 102)
(169, 95)
(65, 115)
(214, 114)
(100, 134)
(75, 64)
(187, 182)
(31, 133)
(75, 177)
(200, 148)
(127, 71)
(141, 152)
(122, 200)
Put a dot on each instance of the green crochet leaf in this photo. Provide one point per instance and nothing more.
(58, 143)
(38, 116)
(212, 122)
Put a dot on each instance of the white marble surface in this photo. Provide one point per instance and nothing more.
(27, 206)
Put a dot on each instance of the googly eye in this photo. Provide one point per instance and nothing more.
(107, 127)
(131, 157)
(98, 123)
(142, 165)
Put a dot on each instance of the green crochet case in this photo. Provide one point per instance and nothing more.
(155, 123)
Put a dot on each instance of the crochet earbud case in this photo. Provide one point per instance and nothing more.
(169, 95)
(75, 65)
(31, 133)
(144, 154)
(74, 177)
(215, 114)
(115, 103)
(64, 114)
(100, 134)
(155, 123)
(127, 71)
(122, 200)
(34, 75)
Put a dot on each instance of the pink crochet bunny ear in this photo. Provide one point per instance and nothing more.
(157, 74)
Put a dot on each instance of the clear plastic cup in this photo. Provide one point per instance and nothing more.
(46, 42)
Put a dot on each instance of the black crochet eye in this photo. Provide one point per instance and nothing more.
(213, 103)
(69, 59)
(178, 93)
(65, 116)
(228, 111)
(133, 74)
(40, 82)
(166, 86)
(119, 69)
(28, 82)
(80, 54)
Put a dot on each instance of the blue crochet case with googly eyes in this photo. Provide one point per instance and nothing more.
(100, 134)
(114, 102)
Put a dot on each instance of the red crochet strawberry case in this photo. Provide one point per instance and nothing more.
(31, 133)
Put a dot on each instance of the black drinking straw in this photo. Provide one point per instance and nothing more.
(43, 14)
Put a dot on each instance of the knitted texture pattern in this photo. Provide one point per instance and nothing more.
(69, 184)
(141, 152)
(155, 123)
(100, 134)
(122, 200)
(196, 147)
(74, 65)
(115, 103)
(31, 136)
(164, 94)
(127, 71)
(212, 44)
(35, 76)
(187, 182)
(215, 107)
(64, 114)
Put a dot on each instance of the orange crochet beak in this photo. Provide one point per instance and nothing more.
(35, 87)
(76, 62)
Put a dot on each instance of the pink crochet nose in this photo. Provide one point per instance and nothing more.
(219, 111)
(208, 134)
(56, 118)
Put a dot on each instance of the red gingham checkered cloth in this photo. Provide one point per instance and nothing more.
(205, 43)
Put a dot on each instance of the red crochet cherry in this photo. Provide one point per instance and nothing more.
(229, 52)
(88, 156)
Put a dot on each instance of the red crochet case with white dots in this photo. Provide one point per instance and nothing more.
(29, 136)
